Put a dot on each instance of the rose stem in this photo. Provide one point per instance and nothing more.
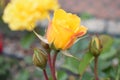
(54, 60)
(51, 67)
(95, 68)
(45, 74)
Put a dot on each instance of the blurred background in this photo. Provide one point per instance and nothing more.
(100, 16)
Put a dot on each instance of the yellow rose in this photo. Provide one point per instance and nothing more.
(23, 14)
(64, 29)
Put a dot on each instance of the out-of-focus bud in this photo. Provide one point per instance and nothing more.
(95, 46)
(45, 46)
(40, 58)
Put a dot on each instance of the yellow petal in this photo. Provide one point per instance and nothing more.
(64, 29)
(62, 37)
(20, 14)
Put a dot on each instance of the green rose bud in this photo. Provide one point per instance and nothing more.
(40, 58)
(95, 46)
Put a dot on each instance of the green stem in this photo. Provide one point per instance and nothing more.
(51, 67)
(45, 74)
(96, 68)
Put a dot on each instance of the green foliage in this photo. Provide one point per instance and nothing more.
(4, 27)
(88, 57)
(87, 76)
(108, 70)
(85, 16)
(27, 40)
(28, 60)
(5, 65)
(23, 75)
(4, 68)
(112, 52)
(107, 42)
(118, 73)
(61, 75)
(71, 64)
(80, 47)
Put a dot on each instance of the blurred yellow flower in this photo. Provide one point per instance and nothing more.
(64, 29)
(23, 14)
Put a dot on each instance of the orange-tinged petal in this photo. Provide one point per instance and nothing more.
(50, 34)
(62, 37)
(81, 29)
(64, 29)
(72, 39)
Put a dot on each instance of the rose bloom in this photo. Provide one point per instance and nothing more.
(23, 14)
(64, 29)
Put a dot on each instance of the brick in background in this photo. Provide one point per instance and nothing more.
(106, 9)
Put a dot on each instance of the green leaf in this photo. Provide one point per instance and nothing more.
(107, 42)
(1, 59)
(103, 64)
(71, 64)
(118, 74)
(87, 76)
(27, 40)
(61, 75)
(85, 16)
(23, 75)
(79, 47)
(112, 52)
(87, 58)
